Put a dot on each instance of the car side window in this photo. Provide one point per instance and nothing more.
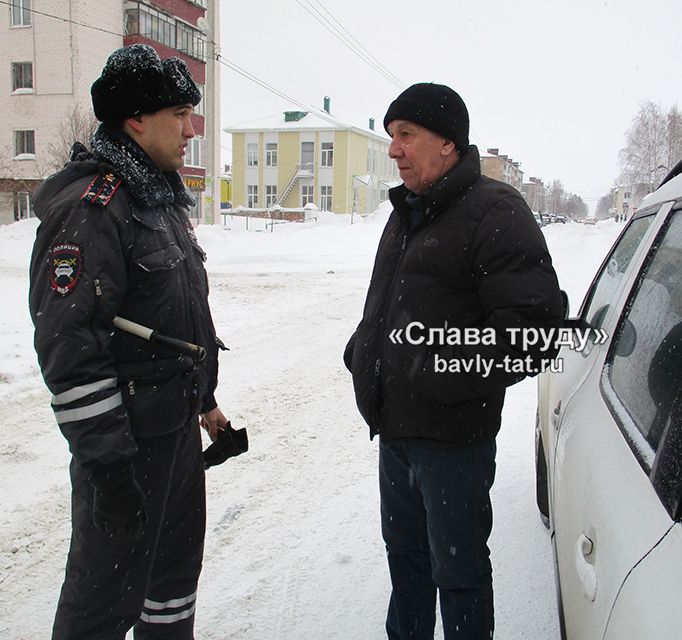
(644, 366)
(613, 270)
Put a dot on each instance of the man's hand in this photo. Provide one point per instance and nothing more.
(230, 442)
(118, 504)
(213, 421)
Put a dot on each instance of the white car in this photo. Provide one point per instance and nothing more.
(609, 438)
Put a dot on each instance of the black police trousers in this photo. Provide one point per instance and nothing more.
(150, 585)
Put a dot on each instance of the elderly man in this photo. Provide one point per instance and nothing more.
(462, 275)
(115, 240)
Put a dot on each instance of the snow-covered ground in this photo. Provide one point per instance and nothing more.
(293, 547)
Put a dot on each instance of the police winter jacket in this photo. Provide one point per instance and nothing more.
(477, 261)
(115, 240)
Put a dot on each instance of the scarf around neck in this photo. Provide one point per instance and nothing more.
(147, 184)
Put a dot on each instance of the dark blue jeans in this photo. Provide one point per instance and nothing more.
(436, 518)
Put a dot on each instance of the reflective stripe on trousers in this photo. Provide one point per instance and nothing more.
(170, 611)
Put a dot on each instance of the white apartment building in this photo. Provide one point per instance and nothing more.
(52, 51)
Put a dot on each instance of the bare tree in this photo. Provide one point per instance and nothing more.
(673, 139)
(575, 206)
(605, 204)
(78, 127)
(653, 144)
(7, 165)
(556, 197)
(10, 174)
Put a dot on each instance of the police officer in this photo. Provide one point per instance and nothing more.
(115, 240)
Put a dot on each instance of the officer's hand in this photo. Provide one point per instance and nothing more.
(213, 421)
(230, 442)
(118, 504)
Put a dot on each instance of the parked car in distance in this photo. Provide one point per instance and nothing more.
(609, 438)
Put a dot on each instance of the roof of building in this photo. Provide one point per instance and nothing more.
(313, 119)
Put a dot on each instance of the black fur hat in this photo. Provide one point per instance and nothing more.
(135, 80)
(436, 107)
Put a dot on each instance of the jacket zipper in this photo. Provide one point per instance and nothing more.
(98, 295)
(377, 364)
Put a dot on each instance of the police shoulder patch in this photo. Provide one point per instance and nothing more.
(101, 189)
(65, 265)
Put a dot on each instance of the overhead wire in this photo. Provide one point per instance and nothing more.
(219, 58)
(268, 87)
(359, 50)
(339, 31)
(344, 36)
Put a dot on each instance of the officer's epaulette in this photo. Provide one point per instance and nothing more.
(101, 189)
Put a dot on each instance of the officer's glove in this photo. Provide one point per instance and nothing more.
(229, 443)
(119, 505)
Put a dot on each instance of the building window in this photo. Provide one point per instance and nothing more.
(22, 77)
(145, 21)
(252, 154)
(307, 155)
(24, 145)
(326, 198)
(142, 20)
(307, 194)
(270, 154)
(189, 40)
(20, 13)
(193, 153)
(23, 205)
(270, 195)
(252, 196)
(327, 154)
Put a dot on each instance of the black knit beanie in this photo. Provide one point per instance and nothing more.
(436, 107)
(135, 80)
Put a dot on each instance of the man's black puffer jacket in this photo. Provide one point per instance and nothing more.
(478, 260)
(133, 256)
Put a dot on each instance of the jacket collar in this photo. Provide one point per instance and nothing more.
(147, 184)
(448, 187)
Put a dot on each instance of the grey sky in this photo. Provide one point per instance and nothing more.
(553, 84)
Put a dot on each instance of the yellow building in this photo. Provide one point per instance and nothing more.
(300, 157)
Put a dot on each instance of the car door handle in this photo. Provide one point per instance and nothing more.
(584, 558)
(556, 414)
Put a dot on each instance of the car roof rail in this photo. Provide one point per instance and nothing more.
(675, 171)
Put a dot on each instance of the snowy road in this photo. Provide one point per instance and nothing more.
(293, 548)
